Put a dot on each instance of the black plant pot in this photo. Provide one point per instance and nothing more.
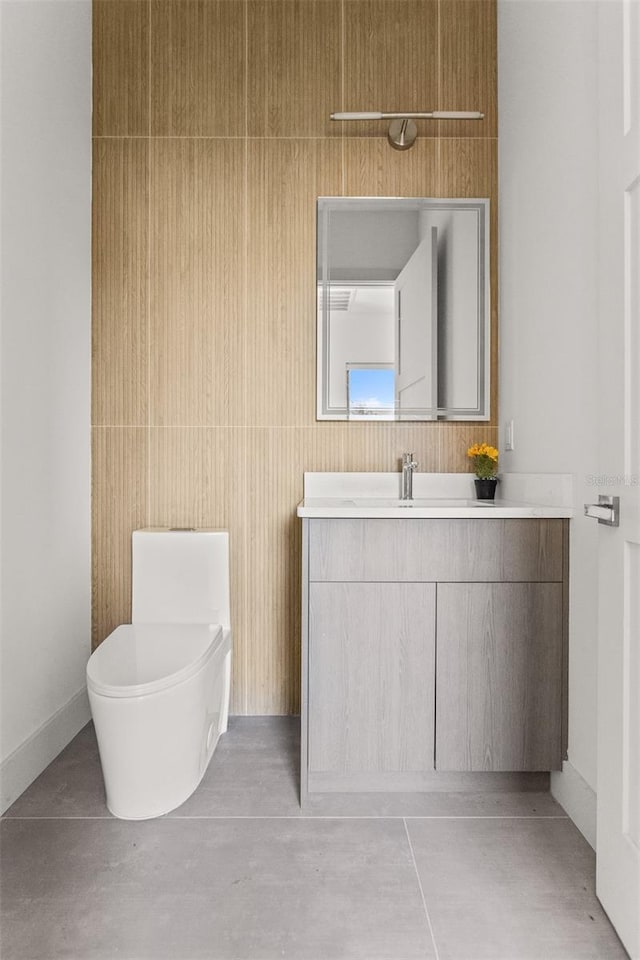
(486, 488)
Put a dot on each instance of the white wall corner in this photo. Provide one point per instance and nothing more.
(28, 760)
(45, 475)
(574, 794)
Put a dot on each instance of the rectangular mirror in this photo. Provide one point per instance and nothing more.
(403, 309)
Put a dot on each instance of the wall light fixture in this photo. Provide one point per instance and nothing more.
(402, 129)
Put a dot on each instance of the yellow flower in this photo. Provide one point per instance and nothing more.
(483, 450)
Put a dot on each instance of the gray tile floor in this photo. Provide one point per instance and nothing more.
(239, 873)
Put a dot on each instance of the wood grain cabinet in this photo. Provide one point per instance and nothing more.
(431, 647)
(499, 676)
(371, 680)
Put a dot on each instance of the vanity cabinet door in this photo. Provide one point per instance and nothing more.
(371, 684)
(499, 676)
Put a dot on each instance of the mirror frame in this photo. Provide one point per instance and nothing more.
(324, 206)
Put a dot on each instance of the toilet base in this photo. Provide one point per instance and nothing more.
(155, 749)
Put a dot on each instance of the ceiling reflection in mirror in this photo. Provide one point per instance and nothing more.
(403, 309)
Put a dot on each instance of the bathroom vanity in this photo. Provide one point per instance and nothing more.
(434, 637)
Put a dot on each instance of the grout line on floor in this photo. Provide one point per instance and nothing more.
(491, 816)
(341, 816)
(293, 816)
(424, 902)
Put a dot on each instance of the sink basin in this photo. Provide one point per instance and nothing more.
(416, 502)
(441, 502)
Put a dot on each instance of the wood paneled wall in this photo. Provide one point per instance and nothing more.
(212, 141)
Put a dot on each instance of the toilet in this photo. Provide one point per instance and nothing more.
(159, 686)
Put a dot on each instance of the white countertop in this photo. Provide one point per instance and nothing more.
(496, 509)
(443, 496)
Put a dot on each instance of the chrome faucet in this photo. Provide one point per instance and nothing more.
(408, 466)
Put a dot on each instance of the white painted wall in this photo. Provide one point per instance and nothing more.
(45, 399)
(547, 62)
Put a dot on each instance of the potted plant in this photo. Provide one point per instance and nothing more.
(485, 465)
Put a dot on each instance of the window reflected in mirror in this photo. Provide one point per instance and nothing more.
(371, 390)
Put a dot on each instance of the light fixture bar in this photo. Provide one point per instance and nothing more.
(430, 115)
(402, 129)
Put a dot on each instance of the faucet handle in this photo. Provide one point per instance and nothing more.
(407, 460)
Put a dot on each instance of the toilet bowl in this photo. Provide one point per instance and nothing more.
(159, 687)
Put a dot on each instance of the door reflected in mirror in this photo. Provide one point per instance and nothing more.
(403, 309)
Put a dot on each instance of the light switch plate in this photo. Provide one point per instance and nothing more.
(508, 435)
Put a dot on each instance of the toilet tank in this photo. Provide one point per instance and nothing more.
(180, 576)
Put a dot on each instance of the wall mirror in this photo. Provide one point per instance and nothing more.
(403, 312)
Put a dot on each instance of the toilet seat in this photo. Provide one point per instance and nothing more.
(143, 658)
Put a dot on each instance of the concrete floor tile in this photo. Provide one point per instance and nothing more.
(217, 889)
(71, 786)
(255, 771)
(511, 889)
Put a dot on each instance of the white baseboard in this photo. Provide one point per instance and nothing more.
(573, 793)
(28, 760)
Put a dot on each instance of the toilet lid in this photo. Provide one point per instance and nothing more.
(142, 658)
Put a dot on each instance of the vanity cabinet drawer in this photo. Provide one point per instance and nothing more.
(436, 550)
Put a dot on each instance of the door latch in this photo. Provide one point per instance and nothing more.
(606, 510)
